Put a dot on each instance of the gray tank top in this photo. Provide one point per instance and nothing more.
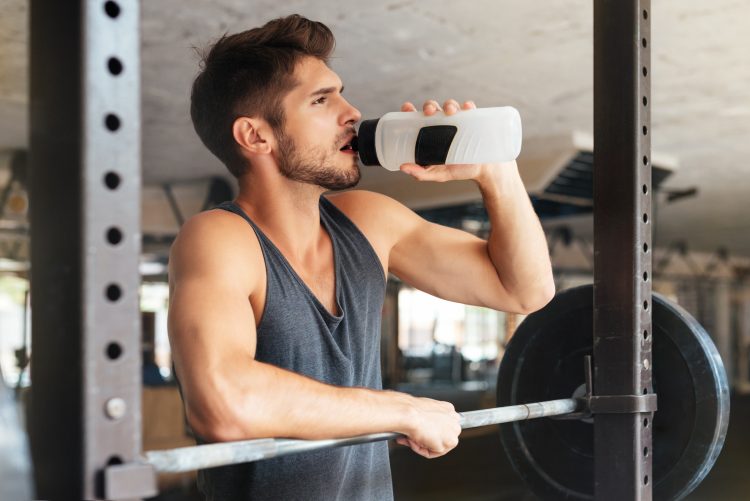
(298, 333)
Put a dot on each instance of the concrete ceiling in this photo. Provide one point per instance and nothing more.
(536, 56)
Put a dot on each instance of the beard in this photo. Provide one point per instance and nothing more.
(316, 165)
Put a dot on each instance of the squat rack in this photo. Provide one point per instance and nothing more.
(622, 244)
(85, 246)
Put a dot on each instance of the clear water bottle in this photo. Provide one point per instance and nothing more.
(482, 135)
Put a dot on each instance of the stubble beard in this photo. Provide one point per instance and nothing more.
(316, 166)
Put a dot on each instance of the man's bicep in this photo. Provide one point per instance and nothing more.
(211, 322)
(212, 316)
(212, 336)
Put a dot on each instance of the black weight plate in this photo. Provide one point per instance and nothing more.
(544, 361)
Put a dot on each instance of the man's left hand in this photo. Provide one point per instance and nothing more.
(442, 173)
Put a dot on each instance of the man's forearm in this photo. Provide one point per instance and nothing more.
(516, 244)
(322, 411)
(266, 401)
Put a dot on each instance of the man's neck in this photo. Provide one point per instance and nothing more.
(288, 212)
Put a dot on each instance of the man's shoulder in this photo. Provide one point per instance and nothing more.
(216, 226)
(215, 238)
(380, 217)
(363, 203)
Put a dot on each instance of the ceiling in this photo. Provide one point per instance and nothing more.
(535, 56)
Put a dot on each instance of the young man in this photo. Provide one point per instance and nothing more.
(276, 297)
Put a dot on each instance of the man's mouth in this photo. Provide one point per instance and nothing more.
(351, 146)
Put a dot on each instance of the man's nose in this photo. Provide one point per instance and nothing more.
(352, 114)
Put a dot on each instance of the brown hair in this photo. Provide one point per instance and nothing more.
(248, 74)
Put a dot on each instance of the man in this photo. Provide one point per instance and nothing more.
(276, 297)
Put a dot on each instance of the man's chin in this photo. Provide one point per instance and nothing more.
(351, 180)
(342, 185)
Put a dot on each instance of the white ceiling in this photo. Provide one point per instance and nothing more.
(536, 56)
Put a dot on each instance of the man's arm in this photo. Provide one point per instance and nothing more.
(229, 395)
(510, 271)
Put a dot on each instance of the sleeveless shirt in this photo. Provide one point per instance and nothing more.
(298, 333)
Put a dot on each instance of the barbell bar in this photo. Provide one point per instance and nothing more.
(197, 457)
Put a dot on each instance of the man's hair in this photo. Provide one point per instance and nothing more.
(248, 74)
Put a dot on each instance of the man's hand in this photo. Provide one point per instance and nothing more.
(442, 173)
(434, 428)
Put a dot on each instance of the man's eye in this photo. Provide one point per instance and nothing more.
(320, 100)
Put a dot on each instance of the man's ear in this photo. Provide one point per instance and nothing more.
(252, 134)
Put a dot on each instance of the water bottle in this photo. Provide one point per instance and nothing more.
(482, 135)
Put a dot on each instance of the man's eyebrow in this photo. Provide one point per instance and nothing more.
(326, 90)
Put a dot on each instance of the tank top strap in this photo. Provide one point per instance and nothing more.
(350, 238)
(230, 206)
(280, 275)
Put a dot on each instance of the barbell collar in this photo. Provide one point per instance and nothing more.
(622, 404)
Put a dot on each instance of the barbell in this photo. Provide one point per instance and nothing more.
(545, 358)
(225, 453)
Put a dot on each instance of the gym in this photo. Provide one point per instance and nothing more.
(633, 382)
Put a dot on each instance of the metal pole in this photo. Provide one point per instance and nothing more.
(85, 244)
(623, 245)
(222, 454)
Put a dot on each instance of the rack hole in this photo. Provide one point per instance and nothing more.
(112, 180)
(645, 452)
(645, 276)
(112, 122)
(645, 189)
(645, 14)
(645, 71)
(644, 43)
(645, 335)
(113, 460)
(645, 247)
(645, 305)
(645, 391)
(645, 480)
(114, 235)
(114, 292)
(645, 422)
(645, 101)
(112, 9)
(114, 350)
(645, 130)
(114, 65)
(645, 160)
(645, 218)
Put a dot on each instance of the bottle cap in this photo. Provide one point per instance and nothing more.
(366, 142)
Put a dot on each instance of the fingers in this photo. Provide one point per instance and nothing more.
(435, 173)
(424, 451)
(437, 429)
(408, 106)
(431, 106)
(451, 107)
(429, 453)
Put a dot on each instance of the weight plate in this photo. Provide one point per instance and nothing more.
(544, 361)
